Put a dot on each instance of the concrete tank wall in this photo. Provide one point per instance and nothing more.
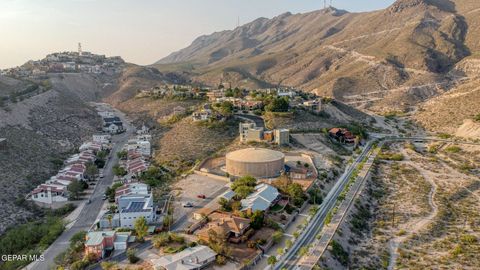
(267, 169)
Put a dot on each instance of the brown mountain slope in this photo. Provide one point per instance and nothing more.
(134, 78)
(383, 60)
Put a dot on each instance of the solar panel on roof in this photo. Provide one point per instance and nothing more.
(135, 207)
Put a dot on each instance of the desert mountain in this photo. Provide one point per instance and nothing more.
(389, 59)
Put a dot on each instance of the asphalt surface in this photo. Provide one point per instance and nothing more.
(89, 213)
(259, 122)
(290, 259)
(181, 223)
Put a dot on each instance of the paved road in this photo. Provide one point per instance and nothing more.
(321, 245)
(290, 259)
(252, 118)
(89, 213)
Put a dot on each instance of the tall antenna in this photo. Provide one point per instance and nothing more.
(79, 49)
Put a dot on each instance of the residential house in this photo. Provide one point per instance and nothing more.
(131, 188)
(261, 199)
(342, 135)
(203, 115)
(136, 166)
(92, 146)
(225, 225)
(82, 157)
(313, 105)
(100, 243)
(142, 146)
(133, 206)
(298, 172)
(113, 125)
(193, 258)
(286, 93)
(215, 94)
(102, 138)
(49, 193)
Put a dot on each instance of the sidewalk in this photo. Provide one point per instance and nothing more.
(73, 216)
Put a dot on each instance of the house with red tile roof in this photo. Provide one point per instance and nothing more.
(49, 193)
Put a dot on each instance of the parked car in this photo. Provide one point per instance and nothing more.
(104, 197)
(201, 196)
(187, 204)
(101, 175)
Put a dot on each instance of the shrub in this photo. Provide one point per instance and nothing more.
(131, 255)
(453, 149)
(339, 253)
(221, 260)
(277, 236)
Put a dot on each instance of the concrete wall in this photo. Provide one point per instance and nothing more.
(256, 169)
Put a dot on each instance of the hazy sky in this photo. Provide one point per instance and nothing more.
(141, 31)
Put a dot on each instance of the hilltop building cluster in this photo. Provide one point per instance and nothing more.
(67, 62)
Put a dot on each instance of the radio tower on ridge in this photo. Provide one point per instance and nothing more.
(79, 49)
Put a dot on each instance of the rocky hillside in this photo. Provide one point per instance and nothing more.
(384, 60)
(41, 128)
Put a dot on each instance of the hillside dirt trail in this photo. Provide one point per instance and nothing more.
(415, 225)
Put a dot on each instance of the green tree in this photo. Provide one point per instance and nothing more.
(256, 220)
(141, 228)
(102, 154)
(122, 154)
(295, 192)
(243, 191)
(161, 240)
(78, 240)
(278, 104)
(224, 204)
(244, 181)
(119, 171)
(226, 108)
(91, 170)
(74, 189)
(272, 260)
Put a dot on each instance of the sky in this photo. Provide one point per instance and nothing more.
(141, 31)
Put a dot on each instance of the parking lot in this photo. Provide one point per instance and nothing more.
(188, 189)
